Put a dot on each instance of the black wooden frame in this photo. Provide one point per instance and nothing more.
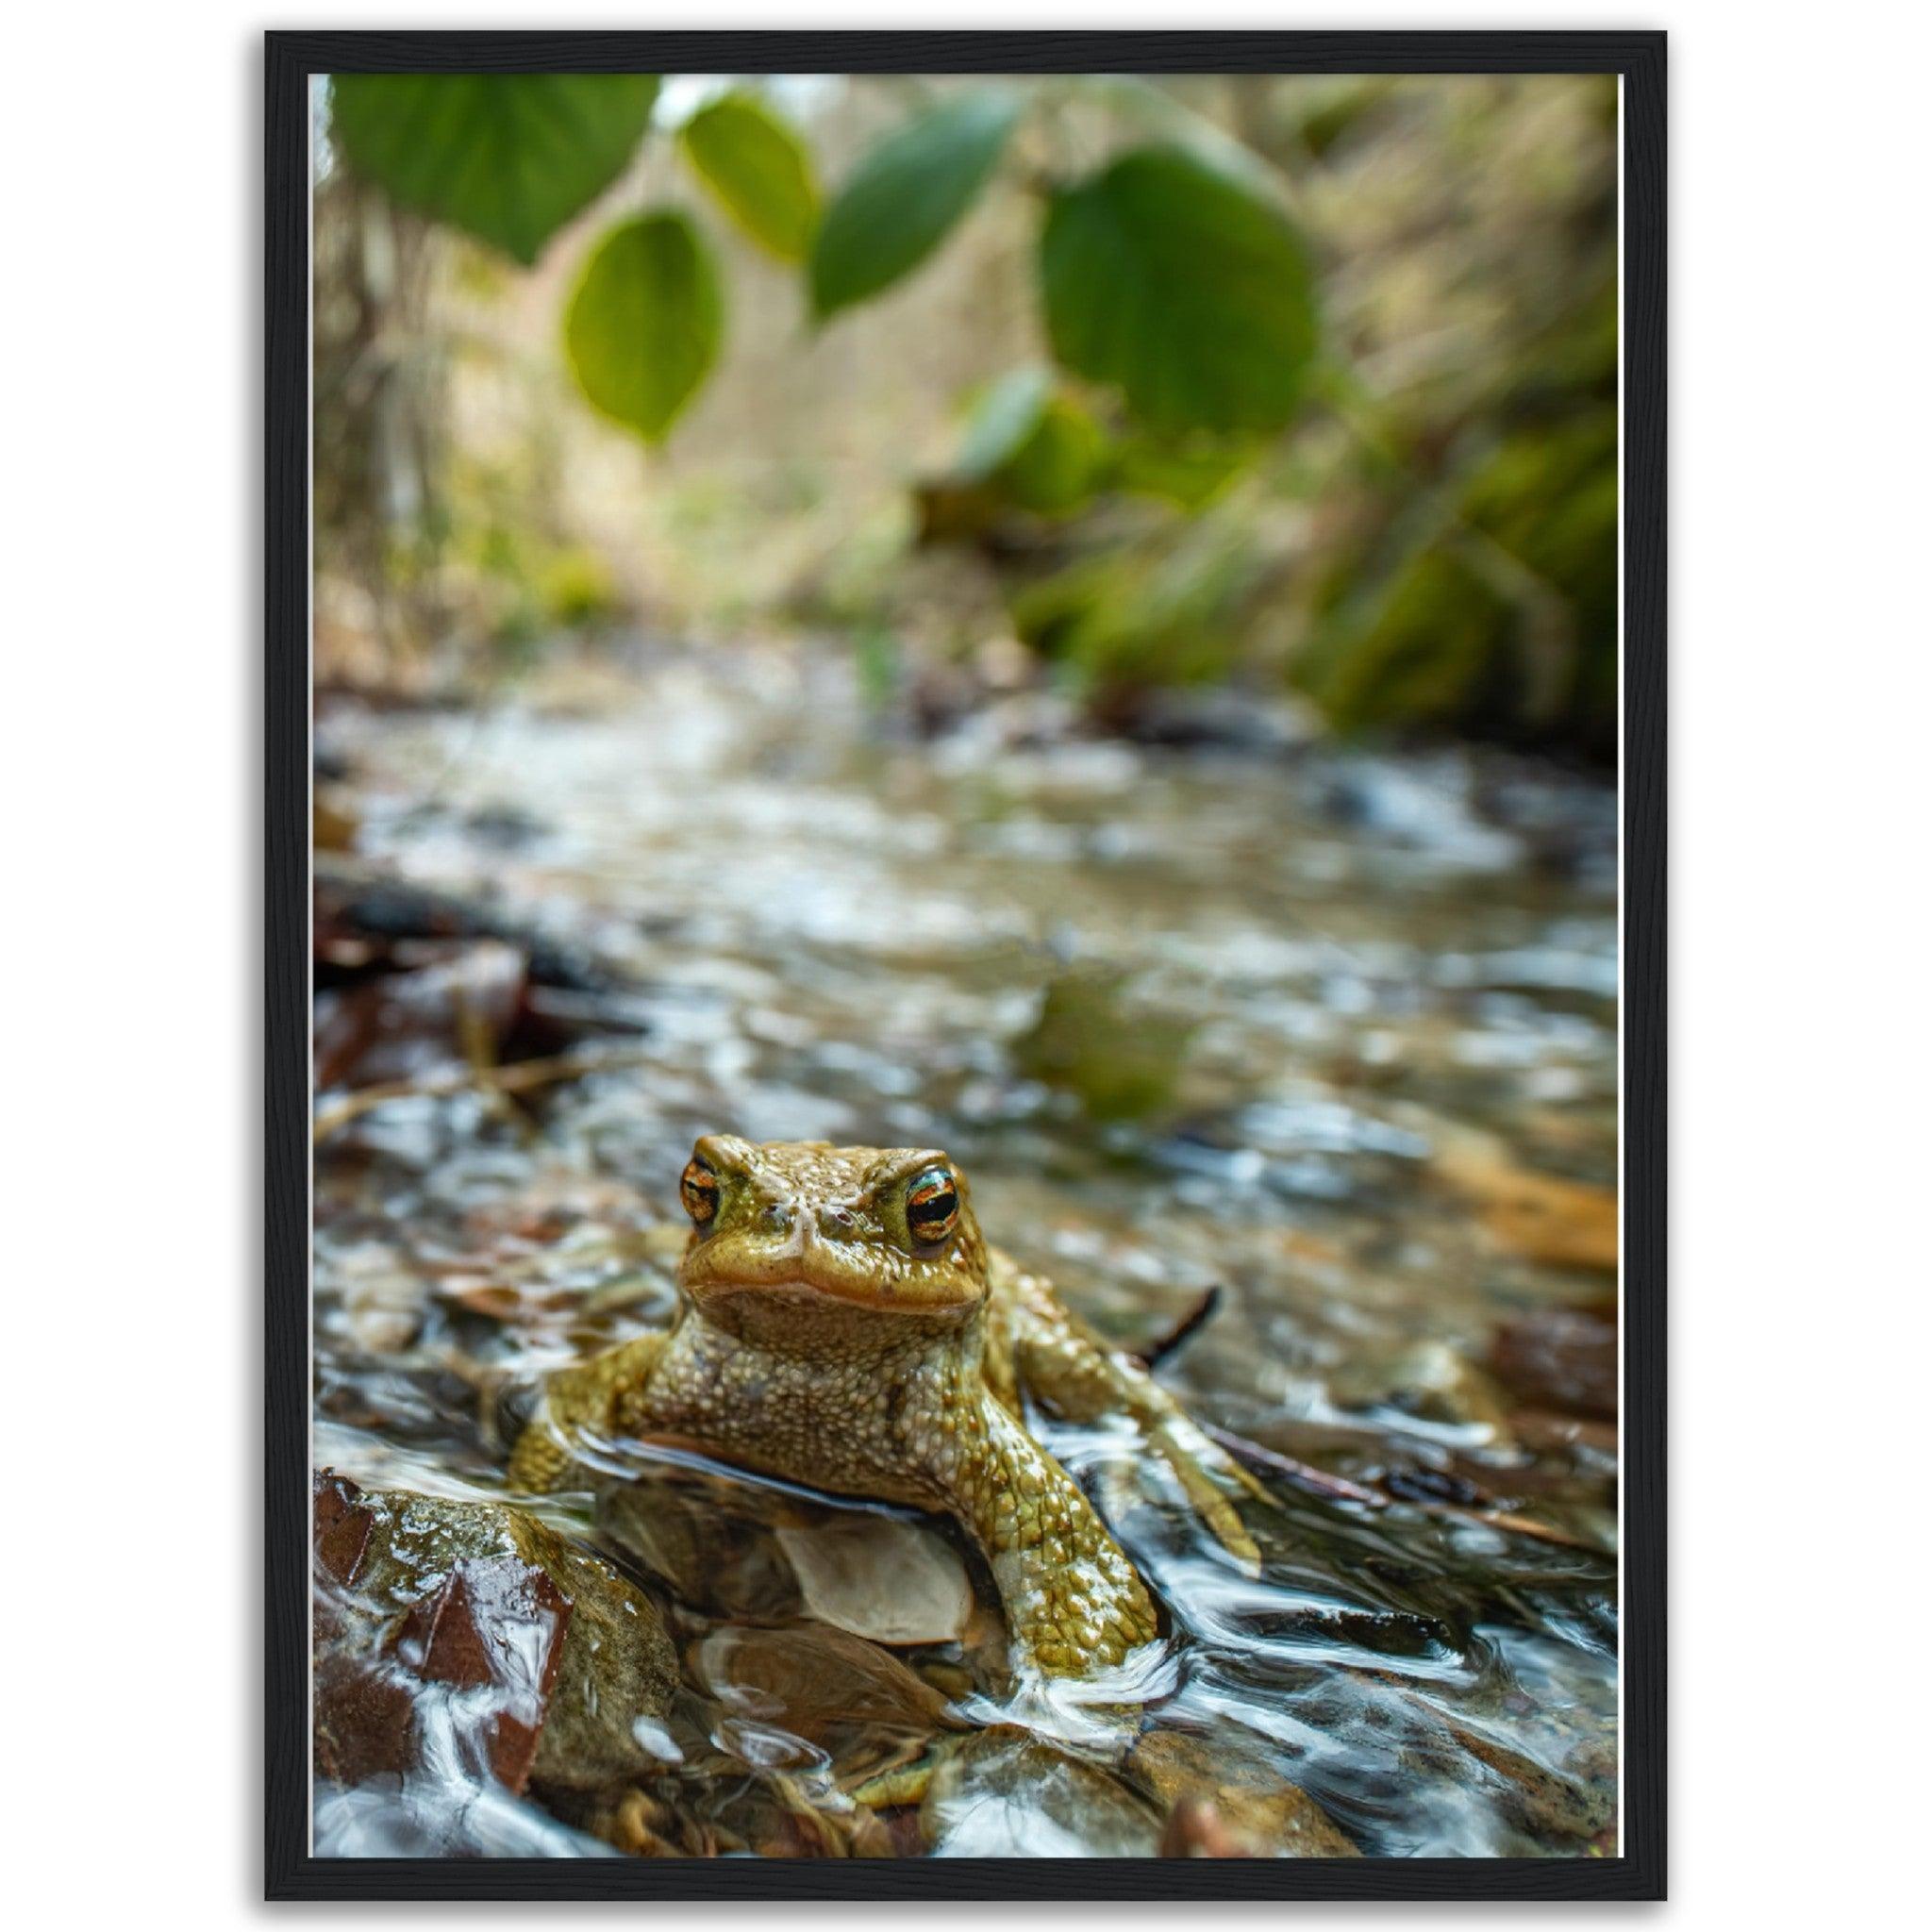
(290, 1871)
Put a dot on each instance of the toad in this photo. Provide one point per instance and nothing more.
(843, 1323)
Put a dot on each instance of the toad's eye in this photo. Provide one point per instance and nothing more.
(932, 1204)
(699, 1192)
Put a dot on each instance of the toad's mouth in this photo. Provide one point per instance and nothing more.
(803, 1278)
(804, 1295)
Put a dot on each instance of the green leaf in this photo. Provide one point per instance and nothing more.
(645, 324)
(1056, 470)
(1005, 413)
(903, 196)
(1182, 287)
(1040, 452)
(760, 170)
(507, 158)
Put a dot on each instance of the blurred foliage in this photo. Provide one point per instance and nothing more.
(759, 170)
(1321, 392)
(1168, 610)
(507, 157)
(643, 327)
(906, 195)
(1183, 289)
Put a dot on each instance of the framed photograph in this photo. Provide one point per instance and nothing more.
(965, 887)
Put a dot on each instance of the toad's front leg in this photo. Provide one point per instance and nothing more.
(602, 1399)
(1073, 1600)
(1065, 1366)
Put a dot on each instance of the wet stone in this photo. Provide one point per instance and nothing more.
(1002, 1794)
(741, 1550)
(1431, 1381)
(710, 1541)
(1222, 1799)
(471, 1635)
(1578, 1804)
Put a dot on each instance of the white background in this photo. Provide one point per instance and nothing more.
(129, 967)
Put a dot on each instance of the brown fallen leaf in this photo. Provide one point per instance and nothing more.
(813, 1677)
(881, 1579)
(1561, 1360)
(640, 1826)
(1541, 1217)
(451, 1006)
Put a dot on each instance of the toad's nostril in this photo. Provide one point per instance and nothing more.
(777, 1217)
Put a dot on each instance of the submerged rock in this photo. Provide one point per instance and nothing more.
(1578, 1802)
(1226, 1801)
(708, 1541)
(467, 1639)
(1002, 1794)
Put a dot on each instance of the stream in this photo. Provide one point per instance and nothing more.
(1332, 1033)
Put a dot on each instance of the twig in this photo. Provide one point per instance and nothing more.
(1303, 1474)
(1512, 1525)
(1339, 1489)
(1195, 1319)
(520, 1076)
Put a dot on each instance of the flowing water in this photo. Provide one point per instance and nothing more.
(1334, 1033)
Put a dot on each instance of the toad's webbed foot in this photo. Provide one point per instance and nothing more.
(600, 1399)
(1071, 1371)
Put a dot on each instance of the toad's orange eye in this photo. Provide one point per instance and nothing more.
(699, 1192)
(932, 1203)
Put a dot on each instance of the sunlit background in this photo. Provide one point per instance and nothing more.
(1425, 536)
